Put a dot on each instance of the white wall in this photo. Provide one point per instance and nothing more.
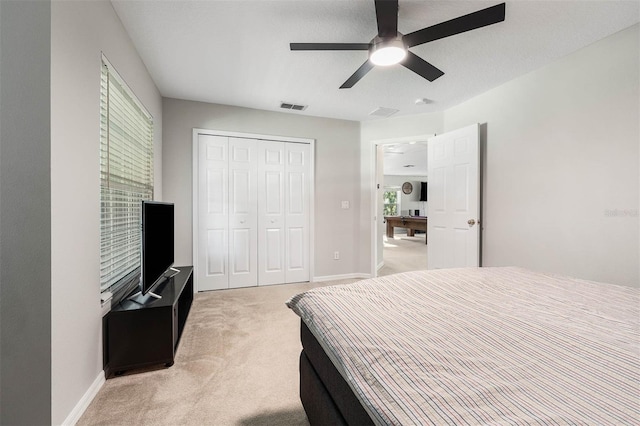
(337, 172)
(80, 31)
(561, 158)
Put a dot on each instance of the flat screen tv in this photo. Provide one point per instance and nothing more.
(423, 191)
(157, 244)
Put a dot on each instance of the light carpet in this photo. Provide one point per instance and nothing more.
(237, 362)
(403, 253)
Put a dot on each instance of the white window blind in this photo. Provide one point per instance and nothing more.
(126, 176)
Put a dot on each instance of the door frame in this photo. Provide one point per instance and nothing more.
(423, 138)
(258, 136)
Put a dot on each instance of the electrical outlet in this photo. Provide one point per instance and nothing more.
(336, 255)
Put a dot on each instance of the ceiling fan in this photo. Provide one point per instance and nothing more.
(391, 47)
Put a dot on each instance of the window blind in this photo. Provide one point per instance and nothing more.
(126, 176)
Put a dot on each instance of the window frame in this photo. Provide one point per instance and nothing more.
(398, 192)
(126, 178)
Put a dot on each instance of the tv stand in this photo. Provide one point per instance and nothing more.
(146, 331)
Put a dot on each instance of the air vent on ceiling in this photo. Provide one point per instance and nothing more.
(384, 112)
(288, 105)
(409, 165)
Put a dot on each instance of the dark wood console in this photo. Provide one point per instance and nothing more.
(146, 331)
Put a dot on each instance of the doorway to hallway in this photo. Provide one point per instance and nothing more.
(400, 175)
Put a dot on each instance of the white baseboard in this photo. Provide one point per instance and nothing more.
(84, 402)
(341, 277)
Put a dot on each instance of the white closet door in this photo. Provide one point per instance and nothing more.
(213, 213)
(253, 201)
(271, 220)
(243, 214)
(297, 182)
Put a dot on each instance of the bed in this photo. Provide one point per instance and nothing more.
(470, 346)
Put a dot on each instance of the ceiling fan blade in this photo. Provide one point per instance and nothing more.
(472, 21)
(364, 69)
(421, 67)
(329, 46)
(387, 17)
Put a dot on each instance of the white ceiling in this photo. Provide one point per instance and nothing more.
(405, 159)
(237, 52)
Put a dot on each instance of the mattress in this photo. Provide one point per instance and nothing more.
(482, 346)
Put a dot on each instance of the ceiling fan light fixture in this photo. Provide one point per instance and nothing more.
(391, 47)
(387, 52)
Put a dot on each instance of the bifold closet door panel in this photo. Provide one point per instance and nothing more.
(297, 204)
(271, 218)
(253, 212)
(213, 212)
(243, 212)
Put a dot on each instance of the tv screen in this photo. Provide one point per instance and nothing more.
(423, 191)
(157, 243)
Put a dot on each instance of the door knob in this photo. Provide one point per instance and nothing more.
(471, 222)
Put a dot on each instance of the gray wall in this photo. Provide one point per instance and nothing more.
(25, 213)
(561, 181)
(80, 32)
(337, 159)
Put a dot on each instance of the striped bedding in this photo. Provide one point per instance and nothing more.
(482, 346)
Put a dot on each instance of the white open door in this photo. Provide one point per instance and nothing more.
(453, 227)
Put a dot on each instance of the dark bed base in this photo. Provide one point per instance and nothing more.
(325, 395)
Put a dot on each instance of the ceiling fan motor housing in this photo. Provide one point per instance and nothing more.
(387, 50)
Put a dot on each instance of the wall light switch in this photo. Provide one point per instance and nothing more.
(345, 204)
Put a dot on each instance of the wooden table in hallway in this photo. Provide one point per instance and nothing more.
(412, 223)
